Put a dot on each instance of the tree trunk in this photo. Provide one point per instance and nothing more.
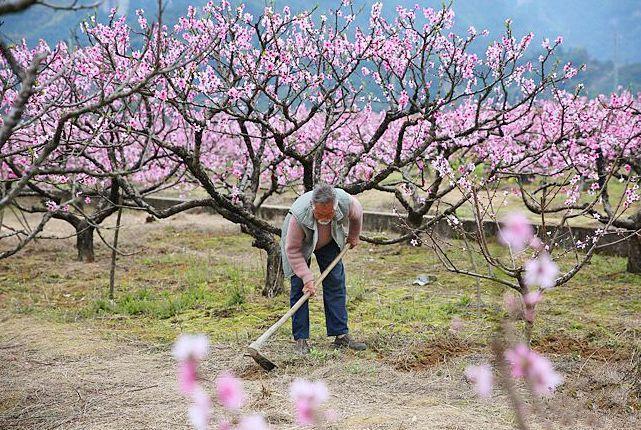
(308, 177)
(274, 273)
(414, 221)
(114, 252)
(84, 242)
(634, 254)
(274, 269)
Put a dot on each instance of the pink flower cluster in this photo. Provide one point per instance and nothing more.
(517, 233)
(541, 271)
(308, 397)
(525, 364)
(190, 350)
(482, 378)
(534, 368)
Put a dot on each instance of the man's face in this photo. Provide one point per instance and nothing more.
(324, 212)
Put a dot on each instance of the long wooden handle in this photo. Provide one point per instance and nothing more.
(258, 342)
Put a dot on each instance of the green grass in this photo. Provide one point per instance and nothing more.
(201, 282)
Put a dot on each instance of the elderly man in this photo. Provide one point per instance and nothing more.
(314, 225)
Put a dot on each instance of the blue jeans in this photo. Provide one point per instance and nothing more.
(334, 296)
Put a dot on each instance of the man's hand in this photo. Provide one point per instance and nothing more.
(310, 288)
(353, 242)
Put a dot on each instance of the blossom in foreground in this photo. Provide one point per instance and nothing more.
(189, 350)
(530, 300)
(541, 272)
(187, 376)
(253, 422)
(200, 410)
(191, 346)
(533, 367)
(482, 379)
(230, 392)
(308, 397)
(516, 231)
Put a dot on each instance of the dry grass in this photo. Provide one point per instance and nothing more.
(64, 376)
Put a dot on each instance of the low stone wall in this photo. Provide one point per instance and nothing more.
(382, 222)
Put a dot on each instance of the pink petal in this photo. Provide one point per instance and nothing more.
(253, 422)
(230, 391)
(482, 378)
(187, 376)
(191, 346)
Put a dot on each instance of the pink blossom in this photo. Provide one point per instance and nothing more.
(187, 376)
(530, 300)
(51, 206)
(541, 272)
(403, 100)
(546, 43)
(234, 94)
(308, 397)
(191, 346)
(569, 71)
(200, 410)
(482, 378)
(230, 391)
(537, 369)
(252, 422)
(225, 425)
(304, 412)
(533, 298)
(536, 244)
(376, 11)
(516, 232)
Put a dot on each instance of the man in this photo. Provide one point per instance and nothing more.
(314, 225)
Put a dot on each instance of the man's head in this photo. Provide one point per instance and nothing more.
(324, 203)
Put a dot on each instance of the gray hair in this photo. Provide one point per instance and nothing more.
(323, 193)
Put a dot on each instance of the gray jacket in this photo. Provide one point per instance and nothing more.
(302, 211)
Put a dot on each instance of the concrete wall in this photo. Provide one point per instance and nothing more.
(389, 223)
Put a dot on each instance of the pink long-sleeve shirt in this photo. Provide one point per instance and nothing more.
(296, 235)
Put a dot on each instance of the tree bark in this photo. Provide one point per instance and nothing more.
(114, 252)
(308, 177)
(84, 242)
(274, 273)
(634, 254)
(414, 219)
(274, 269)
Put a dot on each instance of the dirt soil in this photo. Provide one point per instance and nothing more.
(65, 376)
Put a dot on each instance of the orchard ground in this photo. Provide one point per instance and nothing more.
(71, 358)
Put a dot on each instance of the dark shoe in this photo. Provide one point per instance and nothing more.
(345, 341)
(302, 347)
